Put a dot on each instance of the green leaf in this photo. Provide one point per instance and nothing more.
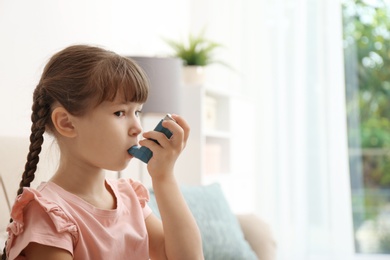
(195, 50)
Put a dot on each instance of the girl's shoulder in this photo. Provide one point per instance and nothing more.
(130, 188)
(36, 214)
(30, 201)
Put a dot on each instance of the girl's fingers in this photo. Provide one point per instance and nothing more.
(183, 124)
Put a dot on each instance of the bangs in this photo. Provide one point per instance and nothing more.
(119, 76)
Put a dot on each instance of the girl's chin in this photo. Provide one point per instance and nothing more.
(121, 167)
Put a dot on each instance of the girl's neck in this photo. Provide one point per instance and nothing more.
(88, 184)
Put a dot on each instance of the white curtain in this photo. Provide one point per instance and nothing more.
(290, 56)
(294, 61)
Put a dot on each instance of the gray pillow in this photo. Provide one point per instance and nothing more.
(222, 236)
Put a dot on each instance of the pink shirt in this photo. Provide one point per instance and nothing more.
(54, 217)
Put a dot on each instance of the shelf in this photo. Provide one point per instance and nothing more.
(217, 92)
(217, 133)
(208, 150)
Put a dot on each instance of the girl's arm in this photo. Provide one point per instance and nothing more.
(179, 236)
(35, 251)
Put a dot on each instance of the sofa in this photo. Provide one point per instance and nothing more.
(225, 235)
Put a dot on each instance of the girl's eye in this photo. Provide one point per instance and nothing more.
(119, 113)
(138, 113)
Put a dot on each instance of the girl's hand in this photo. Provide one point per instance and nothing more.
(167, 151)
(177, 236)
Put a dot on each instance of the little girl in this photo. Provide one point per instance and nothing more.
(90, 99)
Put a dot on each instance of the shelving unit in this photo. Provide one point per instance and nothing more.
(207, 156)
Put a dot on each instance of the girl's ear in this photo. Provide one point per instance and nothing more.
(62, 122)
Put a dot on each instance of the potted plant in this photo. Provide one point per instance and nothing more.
(196, 52)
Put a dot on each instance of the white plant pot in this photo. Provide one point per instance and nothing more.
(194, 75)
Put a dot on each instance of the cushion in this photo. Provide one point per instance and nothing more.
(259, 235)
(221, 233)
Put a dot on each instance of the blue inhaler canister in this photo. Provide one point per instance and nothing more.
(143, 153)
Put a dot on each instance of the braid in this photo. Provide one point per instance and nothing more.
(39, 118)
(40, 113)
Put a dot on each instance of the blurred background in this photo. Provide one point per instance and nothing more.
(308, 97)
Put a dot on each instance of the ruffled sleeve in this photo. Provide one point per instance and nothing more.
(143, 196)
(36, 219)
(141, 191)
(130, 188)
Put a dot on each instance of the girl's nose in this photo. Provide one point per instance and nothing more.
(135, 128)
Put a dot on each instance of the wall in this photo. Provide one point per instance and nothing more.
(31, 31)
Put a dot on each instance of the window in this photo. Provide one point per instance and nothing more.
(367, 73)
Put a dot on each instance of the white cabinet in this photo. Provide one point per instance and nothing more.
(221, 144)
(207, 156)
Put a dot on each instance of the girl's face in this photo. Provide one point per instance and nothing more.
(106, 133)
